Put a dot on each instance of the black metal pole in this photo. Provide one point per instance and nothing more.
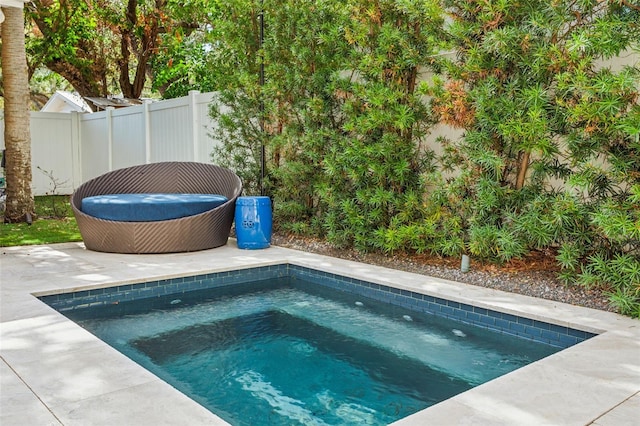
(262, 150)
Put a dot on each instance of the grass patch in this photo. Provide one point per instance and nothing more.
(54, 224)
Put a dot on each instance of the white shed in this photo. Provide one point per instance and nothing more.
(63, 101)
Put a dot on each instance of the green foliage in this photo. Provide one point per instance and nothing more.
(375, 166)
(103, 48)
(293, 106)
(548, 159)
(182, 64)
(539, 113)
(69, 33)
(306, 49)
(241, 135)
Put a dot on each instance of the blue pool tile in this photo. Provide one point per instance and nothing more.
(480, 311)
(80, 294)
(525, 321)
(432, 307)
(510, 318)
(542, 325)
(494, 314)
(558, 329)
(579, 334)
(472, 317)
(453, 304)
(566, 340)
(441, 301)
(502, 323)
(467, 308)
(517, 327)
(485, 318)
(533, 331)
(173, 288)
(429, 298)
(447, 310)
(550, 335)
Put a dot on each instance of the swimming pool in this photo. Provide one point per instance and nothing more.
(76, 378)
(405, 316)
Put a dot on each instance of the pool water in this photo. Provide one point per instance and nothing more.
(287, 352)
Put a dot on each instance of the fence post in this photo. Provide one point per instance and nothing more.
(147, 131)
(109, 117)
(193, 117)
(76, 150)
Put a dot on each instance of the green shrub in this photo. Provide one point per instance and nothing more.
(549, 155)
(535, 108)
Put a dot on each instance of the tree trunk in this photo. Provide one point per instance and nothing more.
(522, 170)
(17, 137)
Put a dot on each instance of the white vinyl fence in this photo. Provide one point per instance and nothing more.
(70, 148)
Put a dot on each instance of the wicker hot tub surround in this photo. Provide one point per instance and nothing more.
(197, 232)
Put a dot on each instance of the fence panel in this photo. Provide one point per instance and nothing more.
(128, 137)
(171, 131)
(54, 152)
(203, 127)
(68, 149)
(95, 150)
(52, 161)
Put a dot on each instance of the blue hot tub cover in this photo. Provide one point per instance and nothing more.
(149, 207)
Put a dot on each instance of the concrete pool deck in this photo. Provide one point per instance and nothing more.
(53, 372)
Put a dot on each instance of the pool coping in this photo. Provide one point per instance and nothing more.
(61, 374)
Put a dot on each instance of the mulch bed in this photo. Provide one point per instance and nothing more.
(534, 275)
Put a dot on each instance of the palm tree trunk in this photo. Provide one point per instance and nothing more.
(17, 136)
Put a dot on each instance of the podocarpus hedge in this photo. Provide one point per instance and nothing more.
(548, 157)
